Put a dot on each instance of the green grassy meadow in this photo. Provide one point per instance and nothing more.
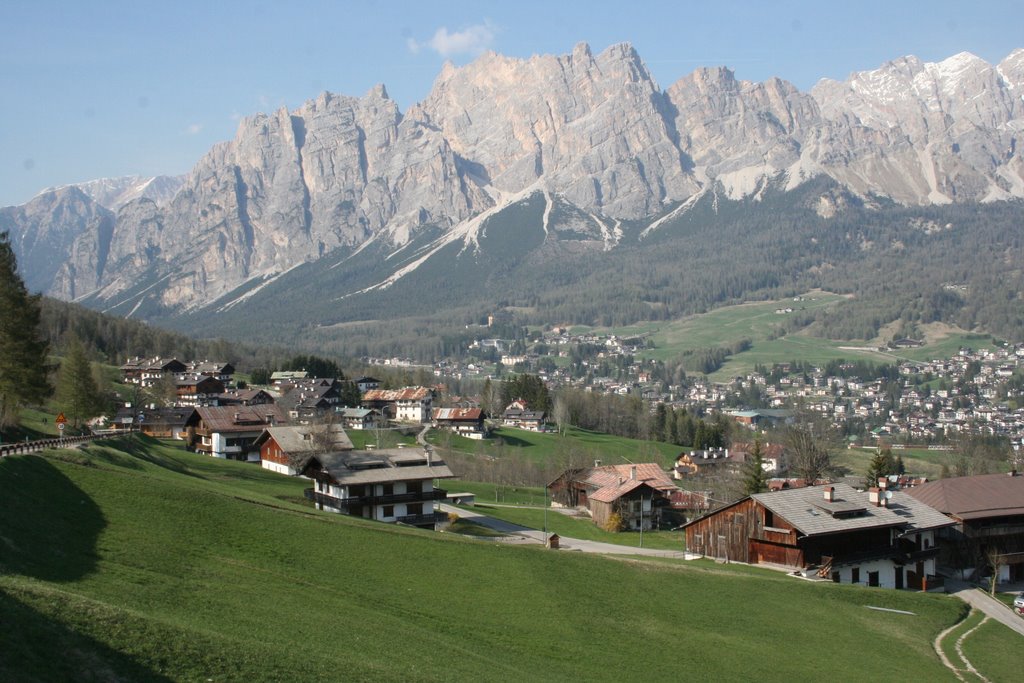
(134, 560)
(759, 323)
(580, 527)
(550, 446)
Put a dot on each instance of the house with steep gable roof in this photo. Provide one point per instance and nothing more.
(637, 493)
(231, 431)
(287, 449)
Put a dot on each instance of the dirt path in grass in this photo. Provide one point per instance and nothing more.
(968, 668)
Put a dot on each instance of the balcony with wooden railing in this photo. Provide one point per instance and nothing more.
(388, 499)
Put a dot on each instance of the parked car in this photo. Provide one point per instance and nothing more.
(1018, 603)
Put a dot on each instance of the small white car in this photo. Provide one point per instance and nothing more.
(1018, 603)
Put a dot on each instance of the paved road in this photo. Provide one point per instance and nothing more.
(521, 534)
(986, 603)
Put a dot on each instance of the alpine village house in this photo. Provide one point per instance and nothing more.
(874, 538)
(388, 485)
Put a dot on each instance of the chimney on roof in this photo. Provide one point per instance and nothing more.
(632, 473)
(270, 419)
(1013, 472)
(597, 463)
(883, 483)
(874, 495)
(238, 416)
(830, 494)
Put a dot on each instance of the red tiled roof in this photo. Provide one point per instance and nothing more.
(608, 475)
(406, 394)
(471, 414)
(612, 492)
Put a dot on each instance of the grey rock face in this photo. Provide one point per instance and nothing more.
(43, 233)
(594, 132)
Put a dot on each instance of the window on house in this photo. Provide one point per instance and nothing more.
(855, 575)
(388, 511)
(414, 509)
(769, 517)
(387, 489)
(414, 486)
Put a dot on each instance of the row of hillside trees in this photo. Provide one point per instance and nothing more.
(23, 369)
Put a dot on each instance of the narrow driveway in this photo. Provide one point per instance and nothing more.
(523, 534)
(986, 603)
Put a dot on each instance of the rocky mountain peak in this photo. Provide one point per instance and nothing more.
(592, 134)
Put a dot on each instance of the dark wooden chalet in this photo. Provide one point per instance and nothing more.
(831, 531)
(988, 517)
(246, 397)
(147, 372)
(198, 390)
(231, 431)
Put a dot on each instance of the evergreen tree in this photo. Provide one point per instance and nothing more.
(881, 465)
(23, 371)
(77, 394)
(660, 430)
(755, 479)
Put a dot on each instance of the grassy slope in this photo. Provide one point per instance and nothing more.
(757, 322)
(156, 564)
(581, 527)
(550, 446)
(990, 650)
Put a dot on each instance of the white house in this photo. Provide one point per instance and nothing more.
(388, 485)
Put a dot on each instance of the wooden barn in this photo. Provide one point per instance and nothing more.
(876, 538)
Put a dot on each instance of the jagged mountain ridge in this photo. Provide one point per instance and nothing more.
(113, 193)
(340, 174)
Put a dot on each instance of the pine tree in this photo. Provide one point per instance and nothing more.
(23, 371)
(881, 465)
(77, 394)
(755, 479)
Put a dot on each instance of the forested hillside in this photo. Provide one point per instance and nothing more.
(958, 264)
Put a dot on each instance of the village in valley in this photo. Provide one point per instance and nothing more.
(899, 530)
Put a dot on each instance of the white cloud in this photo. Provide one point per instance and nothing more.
(194, 129)
(470, 41)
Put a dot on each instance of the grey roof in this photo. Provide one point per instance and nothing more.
(386, 465)
(357, 413)
(808, 511)
(303, 438)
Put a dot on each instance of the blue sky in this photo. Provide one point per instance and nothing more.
(107, 88)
